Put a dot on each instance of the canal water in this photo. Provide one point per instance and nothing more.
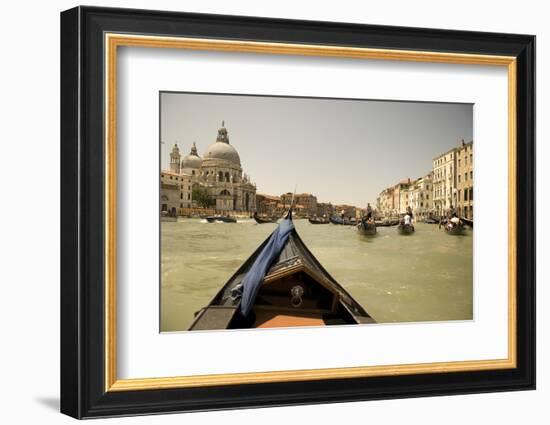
(424, 277)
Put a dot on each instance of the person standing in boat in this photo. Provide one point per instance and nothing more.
(453, 212)
(408, 220)
(454, 221)
(369, 211)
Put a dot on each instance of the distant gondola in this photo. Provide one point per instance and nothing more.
(221, 218)
(264, 220)
(340, 221)
(405, 229)
(456, 230)
(467, 222)
(386, 223)
(281, 285)
(317, 221)
(430, 221)
(367, 229)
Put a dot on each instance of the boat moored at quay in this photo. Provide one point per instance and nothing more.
(221, 219)
(264, 220)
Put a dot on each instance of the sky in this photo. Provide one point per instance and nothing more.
(343, 151)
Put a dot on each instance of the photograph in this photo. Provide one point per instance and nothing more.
(278, 210)
(281, 212)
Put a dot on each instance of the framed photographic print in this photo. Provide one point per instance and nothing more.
(261, 212)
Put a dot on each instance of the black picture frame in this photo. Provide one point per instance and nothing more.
(83, 392)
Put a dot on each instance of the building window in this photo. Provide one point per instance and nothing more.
(459, 178)
(181, 195)
(170, 177)
(465, 160)
(181, 205)
(471, 158)
(193, 172)
(459, 163)
(465, 194)
(471, 174)
(162, 175)
(188, 196)
(465, 176)
(471, 194)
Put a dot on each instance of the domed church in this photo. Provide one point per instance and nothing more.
(220, 172)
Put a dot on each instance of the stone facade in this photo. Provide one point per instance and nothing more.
(325, 209)
(445, 183)
(421, 197)
(267, 204)
(170, 193)
(465, 180)
(385, 202)
(349, 211)
(309, 202)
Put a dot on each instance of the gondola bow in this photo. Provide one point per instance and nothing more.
(281, 285)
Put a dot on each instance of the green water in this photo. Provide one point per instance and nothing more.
(423, 277)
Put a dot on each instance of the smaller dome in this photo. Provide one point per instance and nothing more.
(193, 160)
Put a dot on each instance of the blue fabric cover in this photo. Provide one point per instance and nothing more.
(253, 280)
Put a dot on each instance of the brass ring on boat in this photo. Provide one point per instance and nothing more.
(296, 292)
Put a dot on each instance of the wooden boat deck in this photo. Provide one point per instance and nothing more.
(273, 319)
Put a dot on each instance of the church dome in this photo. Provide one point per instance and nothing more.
(193, 160)
(222, 149)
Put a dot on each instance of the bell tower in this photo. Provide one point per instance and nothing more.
(175, 159)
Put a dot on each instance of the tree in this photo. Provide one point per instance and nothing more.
(201, 197)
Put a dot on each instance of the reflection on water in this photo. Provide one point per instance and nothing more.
(426, 276)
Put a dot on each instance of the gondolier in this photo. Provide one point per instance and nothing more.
(369, 211)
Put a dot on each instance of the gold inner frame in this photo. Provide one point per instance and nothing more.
(113, 41)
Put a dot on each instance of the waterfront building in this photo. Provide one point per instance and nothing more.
(349, 210)
(395, 199)
(445, 183)
(267, 204)
(404, 195)
(325, 209)
(465, 179)
(287, 199)
(307, 202)
(175, 192)
(385, 203)
(218, 172)
(421, 197)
